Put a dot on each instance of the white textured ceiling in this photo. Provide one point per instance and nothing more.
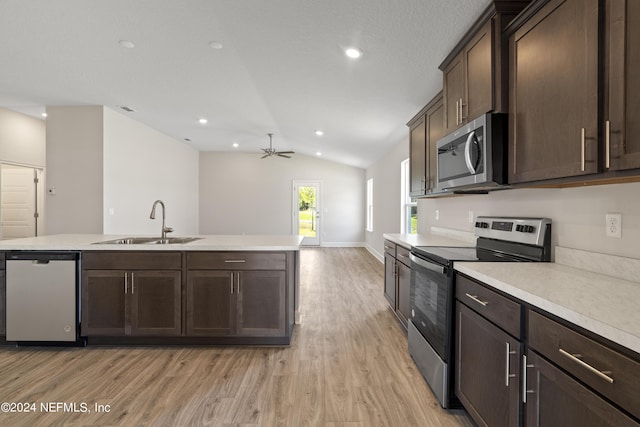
(281, 69)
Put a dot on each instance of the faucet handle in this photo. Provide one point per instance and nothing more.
(167, 229)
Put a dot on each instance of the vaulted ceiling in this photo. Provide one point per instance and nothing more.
(250, 67)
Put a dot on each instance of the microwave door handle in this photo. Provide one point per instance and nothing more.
(467, 152)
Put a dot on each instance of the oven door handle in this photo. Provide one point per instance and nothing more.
(426, 264)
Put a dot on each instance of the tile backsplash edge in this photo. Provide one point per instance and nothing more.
(610, 265)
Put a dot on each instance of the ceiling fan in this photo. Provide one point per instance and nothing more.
(268, 152)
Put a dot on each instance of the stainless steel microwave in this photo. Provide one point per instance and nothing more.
(474, 156)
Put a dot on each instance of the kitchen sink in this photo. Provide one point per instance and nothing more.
(148, 240)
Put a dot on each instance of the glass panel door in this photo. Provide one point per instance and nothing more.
(307, 212)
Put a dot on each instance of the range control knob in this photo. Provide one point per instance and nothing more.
(519, 228)
(525, 228)
(480, 224)
(530, 229)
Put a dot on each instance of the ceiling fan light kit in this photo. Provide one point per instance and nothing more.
(268, 152)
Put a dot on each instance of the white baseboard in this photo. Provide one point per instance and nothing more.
(342, 244)
(375, 253)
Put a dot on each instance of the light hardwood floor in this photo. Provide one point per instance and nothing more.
(347, 366)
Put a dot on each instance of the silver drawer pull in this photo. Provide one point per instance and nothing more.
(479, 301)
(229, 261)
(576, 358)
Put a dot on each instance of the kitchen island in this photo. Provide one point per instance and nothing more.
(212, 290)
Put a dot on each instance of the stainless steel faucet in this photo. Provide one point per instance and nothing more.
(165, 230)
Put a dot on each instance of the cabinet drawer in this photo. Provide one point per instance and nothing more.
(390, 248)
(402, 255)
(500, 310)
(236, 261)
(131, 260)
(605, 370)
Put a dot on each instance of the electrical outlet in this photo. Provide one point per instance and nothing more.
(471, 217)
(614, 225)
(437, 214)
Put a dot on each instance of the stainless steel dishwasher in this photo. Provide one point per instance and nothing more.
(42, 290)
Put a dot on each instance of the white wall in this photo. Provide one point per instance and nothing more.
(22, 139)
(74, 169)
(142, 165)
(578, 214)
(240, 193)
(386, 196)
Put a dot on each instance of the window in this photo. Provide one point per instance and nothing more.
(408, 206)
(370, 204)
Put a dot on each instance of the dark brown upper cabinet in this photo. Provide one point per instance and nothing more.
(553, 115)
(424, 131)
(475, 72)
(622, 85)
(574, 114)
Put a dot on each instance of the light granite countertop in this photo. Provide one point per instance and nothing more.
(87, 242)
(602, 304)
(438, 237)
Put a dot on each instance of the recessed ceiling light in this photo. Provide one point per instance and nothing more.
(127, 44)
(318, 154)
(319, 133)
(353, 52)
(203, 121)
(44, 114)
(236, 145)
(215, 45)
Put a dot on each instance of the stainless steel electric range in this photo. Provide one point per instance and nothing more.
(500, 239)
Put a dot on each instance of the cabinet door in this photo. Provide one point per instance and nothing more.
(417, 159)
(479, 74)
(435, 131)
(390, 280)
(487, 370)
(156, 307)
(554, 93)
(261, 303)
(453, 92)
(3, 303)
(104, 302)
(404, 304)
(622, 133)
(210, 303)
(553, 398)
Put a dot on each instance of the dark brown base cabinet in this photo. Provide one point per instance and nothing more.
(188, 297)
(553, 398)
(136, 302)
(239, 303)
(550, 374)
(487, 370)
(3, 304)
(397, 280)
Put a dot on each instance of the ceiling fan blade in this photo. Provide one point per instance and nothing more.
(266, 155)
(282, 155)
(286, 152)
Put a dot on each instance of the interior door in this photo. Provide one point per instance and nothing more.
(306, 211)
(18, 201)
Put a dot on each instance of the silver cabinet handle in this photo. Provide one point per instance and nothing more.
(457, 113)
(576, 358)
(507, 373)
(583, 137)
(607, 141)
(231, 261)
(479, 301)
(133, 284)
(461, 113)
(525, 391)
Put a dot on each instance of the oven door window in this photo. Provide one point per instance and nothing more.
(430, 293)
